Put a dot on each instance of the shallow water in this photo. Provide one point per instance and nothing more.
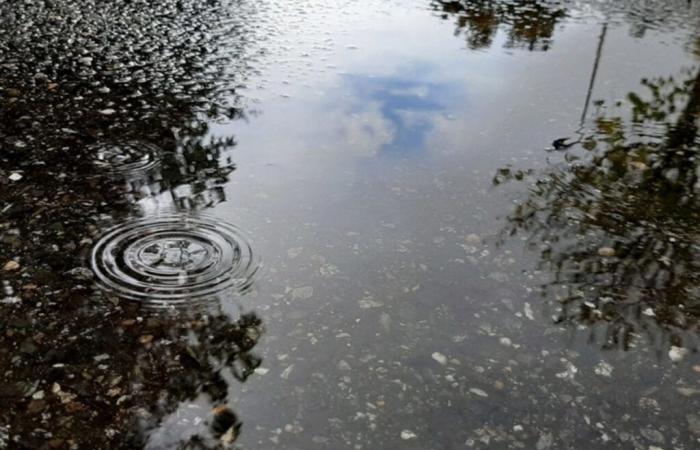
(369, 224)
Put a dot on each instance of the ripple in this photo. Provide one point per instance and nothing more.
(127, 157)
(174, 260)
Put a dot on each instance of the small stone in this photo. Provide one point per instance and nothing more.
(606, 252)
(677, 353)
(146, 339)
(11, 266)
(81, 273)
(688, 392)
(230, 436)
(303, 293)
(408, 434)
(128, 322)
(603, 369)
(440, 358)
(478, 392)
(36, 406)
(15, 176)
(653, 435)
(56, 443)
(114, 392)
(693, 423)
(473, 239)
(38, 395)
(107, 111)
(545, 441)
(498, 384)
(696, 368)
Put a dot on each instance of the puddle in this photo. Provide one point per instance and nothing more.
(478, 221)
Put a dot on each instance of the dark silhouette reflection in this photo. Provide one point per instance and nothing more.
(528, 24)
(159, 381)
(617, 221)
(103, 105)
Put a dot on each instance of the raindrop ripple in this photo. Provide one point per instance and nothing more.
(127, 157)
(174, 260)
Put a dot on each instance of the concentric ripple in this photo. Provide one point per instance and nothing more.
(174, 260)
(127, 157)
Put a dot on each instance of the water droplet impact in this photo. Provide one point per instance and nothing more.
(174, 260)
(127, 157)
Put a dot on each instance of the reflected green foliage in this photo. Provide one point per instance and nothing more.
(528, 24)
(630, 185)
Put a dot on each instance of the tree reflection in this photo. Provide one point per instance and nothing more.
(80, 79)
(529, 24)
(617, 221)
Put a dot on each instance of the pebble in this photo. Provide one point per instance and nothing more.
(107, 112)
(408, 434)
(440, 358)
(693, 423)
(603, 369)
(303, 293)
(15, 176)
(606, 252)
(545, 441)
(653, 435)
(677, 353)
(478, 392)
(10, 266)
(81, 273)
(473, 239)
(687, 392)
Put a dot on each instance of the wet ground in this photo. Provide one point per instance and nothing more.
(363, 225)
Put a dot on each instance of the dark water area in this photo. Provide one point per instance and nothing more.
(364, 225)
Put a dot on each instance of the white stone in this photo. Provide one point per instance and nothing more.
(440, 358)
(408, 434)
(677, 353)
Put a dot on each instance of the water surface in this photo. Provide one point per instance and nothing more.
(477, 221)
